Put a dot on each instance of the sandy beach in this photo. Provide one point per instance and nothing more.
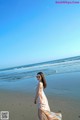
(17, 96)
(21, 106)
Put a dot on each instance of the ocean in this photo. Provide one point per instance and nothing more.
(63, 77)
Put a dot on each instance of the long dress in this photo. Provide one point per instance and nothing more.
(43, 105)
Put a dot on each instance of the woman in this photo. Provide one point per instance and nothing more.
(44, 112)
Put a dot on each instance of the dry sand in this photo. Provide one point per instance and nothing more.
(21, 106)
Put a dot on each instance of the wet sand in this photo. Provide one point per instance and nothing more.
(21, 105)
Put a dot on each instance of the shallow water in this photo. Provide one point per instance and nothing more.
(63, 78)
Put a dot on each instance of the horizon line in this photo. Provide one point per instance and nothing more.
(39, 62)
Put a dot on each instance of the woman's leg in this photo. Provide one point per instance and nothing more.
(47, 116)
(41, 115)
(44, 115)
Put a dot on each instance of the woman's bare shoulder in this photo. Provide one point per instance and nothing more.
(40, 83)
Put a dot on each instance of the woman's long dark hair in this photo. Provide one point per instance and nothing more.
(43, 79)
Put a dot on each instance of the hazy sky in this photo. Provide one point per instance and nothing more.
(36, 31)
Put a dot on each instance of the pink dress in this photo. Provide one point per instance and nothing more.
(43, 105)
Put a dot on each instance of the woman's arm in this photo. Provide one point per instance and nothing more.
(38, 91)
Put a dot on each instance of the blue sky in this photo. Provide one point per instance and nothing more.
(36, 31)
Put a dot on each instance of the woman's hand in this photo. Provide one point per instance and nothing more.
(34, 101)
